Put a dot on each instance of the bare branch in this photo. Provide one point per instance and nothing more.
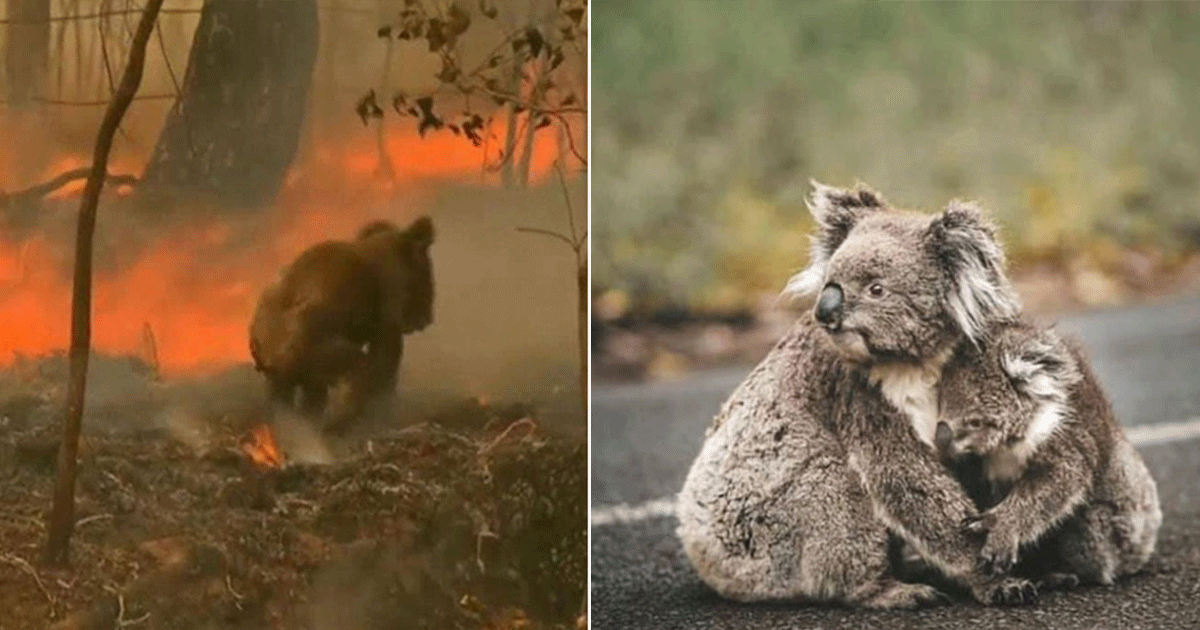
(24, 565)
(62, 179)
(94, 16)
(63, 103)
(533, 230)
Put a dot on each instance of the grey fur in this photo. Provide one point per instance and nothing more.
(1057, 470)
(826, 447)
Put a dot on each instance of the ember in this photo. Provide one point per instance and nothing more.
(261, 446)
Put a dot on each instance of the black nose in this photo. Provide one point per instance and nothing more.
(829, 306)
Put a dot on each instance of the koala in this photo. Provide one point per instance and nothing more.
(332, 326)
(1026, 423)
(826, 449)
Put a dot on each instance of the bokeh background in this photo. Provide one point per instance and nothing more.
(1074, 123)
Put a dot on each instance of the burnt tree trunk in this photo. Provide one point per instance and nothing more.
(233, 132)
(27, 49)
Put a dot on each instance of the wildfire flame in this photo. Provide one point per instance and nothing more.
(262, 448)
(193, 294)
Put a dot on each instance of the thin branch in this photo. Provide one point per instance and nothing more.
(162, 44)
(62, 179)
(24, 565)
(562, 182)
(59, 102)
(108, 69)
(92, 16)
(533, 230)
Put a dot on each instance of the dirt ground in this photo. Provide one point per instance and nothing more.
(473, 516)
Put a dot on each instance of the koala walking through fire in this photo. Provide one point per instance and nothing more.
(826, 449)
(1027, 425)
(330, 331)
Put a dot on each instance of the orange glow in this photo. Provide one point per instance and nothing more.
(262, 448)
(193, 292)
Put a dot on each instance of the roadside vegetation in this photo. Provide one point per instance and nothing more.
(1074, 123)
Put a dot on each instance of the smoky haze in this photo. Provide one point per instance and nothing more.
(505, 307)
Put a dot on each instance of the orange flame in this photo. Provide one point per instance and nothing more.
(262, 447)
(191, 292)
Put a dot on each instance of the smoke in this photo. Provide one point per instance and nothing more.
(505, 303)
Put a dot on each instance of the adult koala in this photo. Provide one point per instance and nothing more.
(826, 447)
(333, 324)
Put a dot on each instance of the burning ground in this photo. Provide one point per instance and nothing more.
(474, 517)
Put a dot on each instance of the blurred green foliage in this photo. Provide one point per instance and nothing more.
(1075, 123)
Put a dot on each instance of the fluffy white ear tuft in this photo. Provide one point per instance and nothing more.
(1043, 370)
(836, 211)
(962, 242)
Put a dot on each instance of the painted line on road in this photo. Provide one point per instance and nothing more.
(625, 513)
(1148, 434)
(1144, 435)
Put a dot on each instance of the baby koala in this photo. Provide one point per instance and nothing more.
(1028, 431)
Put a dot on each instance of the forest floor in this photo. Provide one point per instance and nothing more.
(474, 517)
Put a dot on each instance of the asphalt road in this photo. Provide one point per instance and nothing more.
(645, 436)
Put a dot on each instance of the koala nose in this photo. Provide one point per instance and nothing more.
(829, 306)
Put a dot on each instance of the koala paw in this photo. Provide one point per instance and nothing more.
(999, 553)
(1007, 591)
(979, 524)
(1058, 581)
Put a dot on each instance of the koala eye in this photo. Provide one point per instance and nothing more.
(875, 290)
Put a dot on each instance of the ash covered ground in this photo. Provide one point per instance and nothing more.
(456, 514)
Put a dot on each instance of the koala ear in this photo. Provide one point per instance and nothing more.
(962, 243)
(837, 211)
(1042, 369)
(420, 233)
(375, 227)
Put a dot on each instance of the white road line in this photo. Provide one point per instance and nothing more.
(625, 513)
(1158, 433)
(1144, 435)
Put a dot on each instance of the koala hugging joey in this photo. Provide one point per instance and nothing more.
(1029, 431)
(332, 327)
(827, 447)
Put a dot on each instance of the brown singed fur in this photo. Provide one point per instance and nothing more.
(332, 326)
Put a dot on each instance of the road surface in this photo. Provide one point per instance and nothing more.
(645, 436)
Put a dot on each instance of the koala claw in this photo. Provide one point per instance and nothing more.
(1016, 591)
(998, 555)
(979, 523)
(1010, 592)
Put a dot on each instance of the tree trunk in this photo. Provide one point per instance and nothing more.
(581, 324)
(27, 49)
(233, 132)
(62, 511)
(531, 121)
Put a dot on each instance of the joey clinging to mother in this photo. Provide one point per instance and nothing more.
(900, 294)
(817, 457)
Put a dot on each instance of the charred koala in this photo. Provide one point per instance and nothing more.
(827, 446)
(332, 327)
(1027, 424)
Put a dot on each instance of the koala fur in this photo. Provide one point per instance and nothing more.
(827, 446)
(333, 324)
(1061, 480)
